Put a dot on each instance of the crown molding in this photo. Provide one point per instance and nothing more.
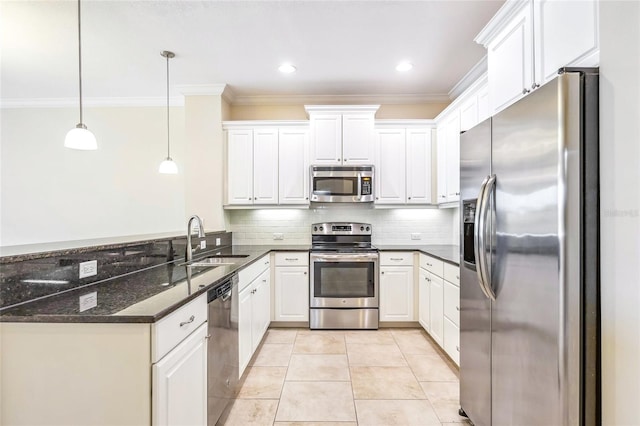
(502, 16)
(339, 99)
(252, 124)
(176, 101)
(469, 78)
(408, 123)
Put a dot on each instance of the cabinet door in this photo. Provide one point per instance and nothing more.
(453, 158)
(423, 299)
(293, 173)
(396, 293)
(436, 302)
(510, 61)
(441, 141)
(357, 139)
(245, 343)
(265, 166)
(418, 166)
(483, 103)
(452, 340)
(390, 173)
(326, 139)
(180, 383)
(291, 293)
(261, 305)
(469, 113)
(566, 33)
(240, 167)
(452, 302)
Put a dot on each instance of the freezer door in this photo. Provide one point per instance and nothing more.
(535, 337)
(475, 307)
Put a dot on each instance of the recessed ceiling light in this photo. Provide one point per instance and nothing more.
(404, 66)
(287, 68)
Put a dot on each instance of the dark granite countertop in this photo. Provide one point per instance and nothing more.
(150, 294)
(448, 253)
(144, 296)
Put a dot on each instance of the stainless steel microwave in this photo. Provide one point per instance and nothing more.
(342, 184)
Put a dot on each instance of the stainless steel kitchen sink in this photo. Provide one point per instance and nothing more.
(217, 261)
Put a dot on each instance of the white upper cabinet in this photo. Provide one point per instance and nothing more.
(566, 33)
(265, 166)
(448, 144)
(403, 169)
(528, 41)
(240, 166)
(342, 135)
(267, 163)
(390, 171)
(293, 174)
(357, 138)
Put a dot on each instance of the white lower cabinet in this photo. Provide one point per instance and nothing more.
(291, 287)
(254, 309)
(180, 383)
(396, 287)
(436, 308)
(452, 340)
(423, 299)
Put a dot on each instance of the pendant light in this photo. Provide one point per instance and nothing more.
(79, 137)
(168, 166)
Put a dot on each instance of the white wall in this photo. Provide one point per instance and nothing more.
(51, 193)
(620, 209)
(390, 226)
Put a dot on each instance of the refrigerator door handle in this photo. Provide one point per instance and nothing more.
(482, 247)
(477, 236)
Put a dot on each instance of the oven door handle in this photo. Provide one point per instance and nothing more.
(344, 257)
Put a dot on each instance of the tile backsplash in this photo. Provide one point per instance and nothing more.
(390, 226)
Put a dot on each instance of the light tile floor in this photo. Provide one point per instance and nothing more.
(347, 378)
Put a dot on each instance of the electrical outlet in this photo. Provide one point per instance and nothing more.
(203, 244)
(278, 236)
(88, 301)
(88, 269)
(416, 236)
(218, 241)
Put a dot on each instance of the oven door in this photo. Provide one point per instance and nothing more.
(345, 280)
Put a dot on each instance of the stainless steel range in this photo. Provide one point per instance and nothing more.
(344, 278)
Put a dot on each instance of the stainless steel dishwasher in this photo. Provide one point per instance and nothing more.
(222, 355)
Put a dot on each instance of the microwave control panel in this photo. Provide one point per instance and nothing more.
(366, 186)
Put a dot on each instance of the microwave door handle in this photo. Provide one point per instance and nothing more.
(359, 186)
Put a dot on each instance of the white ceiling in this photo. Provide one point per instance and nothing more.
(343, 48)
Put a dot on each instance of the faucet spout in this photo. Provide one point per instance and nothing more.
(189, 251)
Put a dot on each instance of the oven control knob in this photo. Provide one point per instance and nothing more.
(315, 228)
(321, 228)
(367, 228)
(362, 228)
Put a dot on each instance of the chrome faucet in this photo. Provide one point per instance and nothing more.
(190, 250)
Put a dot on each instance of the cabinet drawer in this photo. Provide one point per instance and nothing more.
(396, 258)
(251, 272)
(174, 328)
(452, 340)
(452, 302)
(300, 258)
(432, 265)
(452, 273)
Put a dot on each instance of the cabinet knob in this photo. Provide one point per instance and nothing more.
(409, 197)
(306, 198)
(525, 91)
(382, 272)
(305, 273)
(458, 348)
(345, 160)
(337, 159)
(535, 85)
(457, 193)
(377, 198)
(458, 308)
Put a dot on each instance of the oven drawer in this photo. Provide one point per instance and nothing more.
(396, 258)
(300, 258)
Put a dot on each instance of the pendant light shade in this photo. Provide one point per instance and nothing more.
(79, 137)
(168, 166)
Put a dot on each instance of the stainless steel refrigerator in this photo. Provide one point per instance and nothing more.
(529, 259)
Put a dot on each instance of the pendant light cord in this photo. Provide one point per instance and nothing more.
(168, 153)
(80, 58)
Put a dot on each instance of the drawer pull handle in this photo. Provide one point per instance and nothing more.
(396, 258)
(192, 319)
(291, 258)
(264, 281)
